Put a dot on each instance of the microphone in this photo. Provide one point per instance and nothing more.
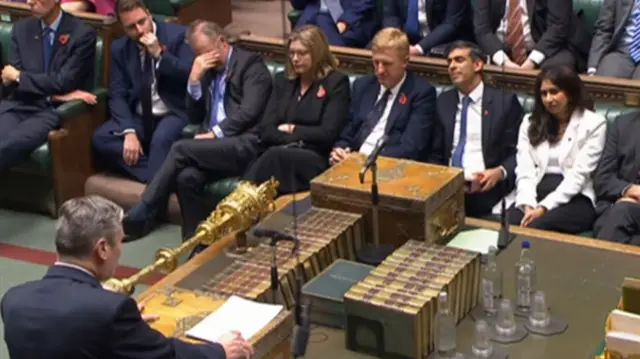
(373, 156)
(275, 236)
(504, 235)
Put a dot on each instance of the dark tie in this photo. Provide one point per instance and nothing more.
(47, 46)
(372, 119)
(145, 97)
(456, 159)
(412, 25)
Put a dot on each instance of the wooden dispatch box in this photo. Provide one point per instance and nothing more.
(418, 200)
(179, 310)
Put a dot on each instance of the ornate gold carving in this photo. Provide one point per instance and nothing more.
(243, 208)
(391, 173)
(185, 323)
(446, 221)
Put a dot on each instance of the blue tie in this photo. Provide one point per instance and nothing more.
(456, 160)
(634, 46)
(412, 25)
(216, 97)
(47, 46)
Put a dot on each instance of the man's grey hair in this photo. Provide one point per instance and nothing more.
(208, 28)
(83, 221)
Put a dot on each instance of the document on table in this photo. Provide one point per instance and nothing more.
(477, 240)
(246, 316)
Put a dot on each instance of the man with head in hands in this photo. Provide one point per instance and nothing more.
(477, 131)
(68, 314)
(149, 71)
(393, 102)
(228, 91)
(52, 54)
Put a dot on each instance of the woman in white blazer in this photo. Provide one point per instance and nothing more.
(559, 146)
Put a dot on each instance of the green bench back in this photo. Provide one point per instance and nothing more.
(5, 42)
(526, 100)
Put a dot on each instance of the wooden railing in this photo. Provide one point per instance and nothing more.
(602, 89)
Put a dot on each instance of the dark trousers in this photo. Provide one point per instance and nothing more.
(293, 167)
(481, 204)
(22, 132)
(353, 37)
(619, 223)
(573, 217)
(190, 165)
(109, 147)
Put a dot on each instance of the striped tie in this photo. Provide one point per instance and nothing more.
(514, 39)
(634, 46)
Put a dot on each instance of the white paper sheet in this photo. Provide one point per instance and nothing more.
(477, 240)
(246, 316)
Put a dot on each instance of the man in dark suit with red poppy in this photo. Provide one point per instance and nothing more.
(149, 72)
(395, 102)
(52, 53)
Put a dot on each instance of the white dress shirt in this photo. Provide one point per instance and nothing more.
(500, 56)
(74, 266)
(554, 158)
(472, 158)
(378, 131)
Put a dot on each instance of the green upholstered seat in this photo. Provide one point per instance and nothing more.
(590, 12)
(166, 7)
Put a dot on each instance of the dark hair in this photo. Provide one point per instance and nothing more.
(474, 50)
(129, 5)
(543, 125)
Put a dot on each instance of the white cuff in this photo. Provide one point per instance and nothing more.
(499, 58)
(419, 48)
(536, 57)
(592, 71)
(128, 130)
(216, 129)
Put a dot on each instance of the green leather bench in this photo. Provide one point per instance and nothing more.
(56, 171)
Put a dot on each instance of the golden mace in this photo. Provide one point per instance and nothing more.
(243, 208)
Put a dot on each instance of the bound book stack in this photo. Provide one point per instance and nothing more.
(391, 313)
(325, 236)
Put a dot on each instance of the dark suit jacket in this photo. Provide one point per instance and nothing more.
(410, 124)
(361, 14)
(500, 125)
(67, 314)
(326, 115)
(609, 29)
(171, 74)
(553, 24)
(449, 20)
(248, 85)
(71, 66)
(620, 160)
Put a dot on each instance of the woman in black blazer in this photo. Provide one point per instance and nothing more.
(308, 108)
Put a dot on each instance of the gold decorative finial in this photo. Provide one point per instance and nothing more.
(242, 209)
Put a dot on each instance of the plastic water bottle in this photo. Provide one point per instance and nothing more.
(446, 328)
(491, 283)
(525, 278)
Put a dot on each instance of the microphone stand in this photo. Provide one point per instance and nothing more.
(504, 236)
(274, 270)
(374, 253)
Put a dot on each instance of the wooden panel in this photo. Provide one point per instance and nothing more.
(602, 89)
(218, 11)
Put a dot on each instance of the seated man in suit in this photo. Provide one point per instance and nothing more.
(615, 48)
(53, 53)
(67, 314)
(149, 71)
(477, 130)
(394, 102)
(617, 183)
(228, 92)
(349, 23)
(430, 24)
(529, 34)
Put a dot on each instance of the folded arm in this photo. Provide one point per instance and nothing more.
(73, 73)
(356, 11)
(448, 30)
(176, 63)
(555, 38)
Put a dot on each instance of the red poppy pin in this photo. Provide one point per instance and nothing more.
(164, 48)
(402, 99)
(321, 92)
(64, 38)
